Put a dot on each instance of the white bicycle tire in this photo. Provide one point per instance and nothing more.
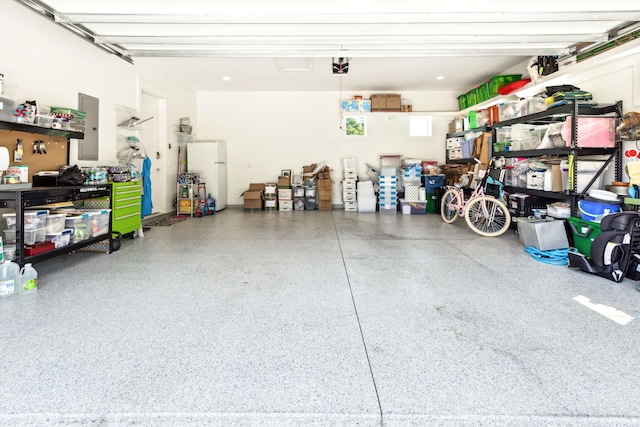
(495, 225)
(447, 214)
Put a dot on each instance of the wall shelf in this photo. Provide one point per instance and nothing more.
(22, 127)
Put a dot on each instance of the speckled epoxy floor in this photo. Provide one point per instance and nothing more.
(317, 318)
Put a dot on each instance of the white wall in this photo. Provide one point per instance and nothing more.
(270, 131)
(43, 61)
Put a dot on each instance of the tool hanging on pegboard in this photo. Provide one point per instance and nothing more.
(39, 147)
(18, 152)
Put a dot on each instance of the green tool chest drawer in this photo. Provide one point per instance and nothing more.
(126, 206)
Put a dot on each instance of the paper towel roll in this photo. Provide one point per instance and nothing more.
(422, 194)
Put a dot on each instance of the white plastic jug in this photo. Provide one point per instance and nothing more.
(9, 279)
(28, 279)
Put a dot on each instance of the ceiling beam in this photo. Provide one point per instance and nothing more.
(350, 18)
(349, 39)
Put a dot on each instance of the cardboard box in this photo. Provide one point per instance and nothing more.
(309, 169)
(285, 205)
(324, 195)
(285, 194)
(270, 189)
(556, 178)
(386, 102)
(324, 184)
(270, 203)
(325, 205)
(324, 173)
(254, 197)
(284, 181)
(481, 149)
(349, 184)
(378, 102)
(394, 103)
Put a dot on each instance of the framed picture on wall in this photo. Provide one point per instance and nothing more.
(355, 126)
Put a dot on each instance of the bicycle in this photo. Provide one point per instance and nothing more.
(485, 214)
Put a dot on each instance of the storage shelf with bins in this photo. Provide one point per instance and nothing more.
(21, 199)
(460, 135)
(573, 151)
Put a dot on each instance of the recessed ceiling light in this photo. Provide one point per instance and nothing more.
(440, 78)
(226, 78)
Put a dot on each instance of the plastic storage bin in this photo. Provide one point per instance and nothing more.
(496, 82)
(41, 234)
(30, 236)
(32, 219)
(60, 238)
(10, 236)
(79, 226)
(55, 223)
(596, 132)
(98, 222)
(413, 207)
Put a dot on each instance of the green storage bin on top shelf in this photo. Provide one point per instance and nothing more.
(483, 92)
(472, 97)
(462, 101)
(496, 82)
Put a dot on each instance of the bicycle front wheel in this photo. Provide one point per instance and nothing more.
(487, 216)
(449, 205)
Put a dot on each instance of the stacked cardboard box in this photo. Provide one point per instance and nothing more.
(254, 197)
(271, 197)
(350, 178)
(324, 185)
(285, 194)
(324, 194)
(386, 102)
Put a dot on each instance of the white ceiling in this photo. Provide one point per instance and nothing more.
(399, 45)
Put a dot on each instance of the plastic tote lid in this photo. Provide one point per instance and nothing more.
(603, 195)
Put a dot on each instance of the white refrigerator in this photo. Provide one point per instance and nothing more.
(208, 158)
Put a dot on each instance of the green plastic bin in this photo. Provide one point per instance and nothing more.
(483, 93)
(472, 97)
(496, 82)
(584, 233)
(432, 203)
(462, 101)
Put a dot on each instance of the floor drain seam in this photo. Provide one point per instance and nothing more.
(355, 309)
